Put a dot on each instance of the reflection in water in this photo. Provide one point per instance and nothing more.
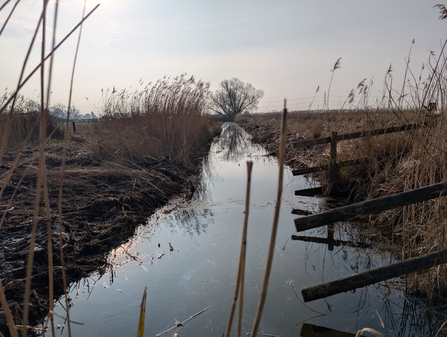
(234, 144)
(193, 221)
(310, 330)
(187, 255)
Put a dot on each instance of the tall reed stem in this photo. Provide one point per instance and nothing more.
(268, 267)
(241, 270)
(8, 315)
(336, 66)
(64, 156)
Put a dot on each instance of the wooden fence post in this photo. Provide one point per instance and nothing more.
(74, 127)
(330, 237)
(333, 157)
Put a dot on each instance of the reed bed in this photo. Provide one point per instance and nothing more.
(162, 121)
(24, 124)
(113, 194)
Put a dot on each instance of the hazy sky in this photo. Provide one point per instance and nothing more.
(287, 48)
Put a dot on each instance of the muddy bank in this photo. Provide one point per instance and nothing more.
(102, 204)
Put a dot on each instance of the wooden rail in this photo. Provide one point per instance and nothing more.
(309, 192)
(371, 206)
(333, 166)
(363, 208)
(373, 276)
(355, 135)
(312, 330)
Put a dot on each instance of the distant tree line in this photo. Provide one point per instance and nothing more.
(60, 110)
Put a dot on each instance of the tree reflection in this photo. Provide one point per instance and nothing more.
(234, 144)
(190, 221)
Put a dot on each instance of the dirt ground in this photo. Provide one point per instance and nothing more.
(102, 204)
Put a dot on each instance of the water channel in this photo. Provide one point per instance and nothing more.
(187, 257)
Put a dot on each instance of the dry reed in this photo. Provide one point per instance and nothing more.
(164, 121)
(268, 267)
(239, 289)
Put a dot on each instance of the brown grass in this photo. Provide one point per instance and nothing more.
(24, 124)
(164, 121)
(394, 163)
(162, 125)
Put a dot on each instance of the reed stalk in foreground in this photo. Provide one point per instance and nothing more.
(239, 290)
(5, 306)
(268, 268)
(64, 157)
(42, 186)
(140, 332)
(371, 331)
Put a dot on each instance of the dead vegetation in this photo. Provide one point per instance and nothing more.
(394, 163)
(24, 124)
(102, 183)
(102, 204)
(165, 120)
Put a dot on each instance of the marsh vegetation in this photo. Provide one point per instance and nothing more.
(67, 199)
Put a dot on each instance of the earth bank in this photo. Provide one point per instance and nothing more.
(102, 203)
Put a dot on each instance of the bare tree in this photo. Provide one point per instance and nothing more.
(234, 97)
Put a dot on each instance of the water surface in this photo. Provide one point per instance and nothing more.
(187, 257)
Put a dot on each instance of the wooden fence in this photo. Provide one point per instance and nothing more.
(359, 210)
(333, 165)
(365, 208)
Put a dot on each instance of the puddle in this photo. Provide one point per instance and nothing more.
(187, 257)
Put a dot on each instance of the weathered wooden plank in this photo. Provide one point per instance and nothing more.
(311, 330)
(373, 276)
(333, 170)
(301, 212)
(378, 132)
(299, 172)
(359, 134)
(371, 206)
(312, 142)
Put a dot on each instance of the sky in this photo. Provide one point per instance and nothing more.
(286, 48)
